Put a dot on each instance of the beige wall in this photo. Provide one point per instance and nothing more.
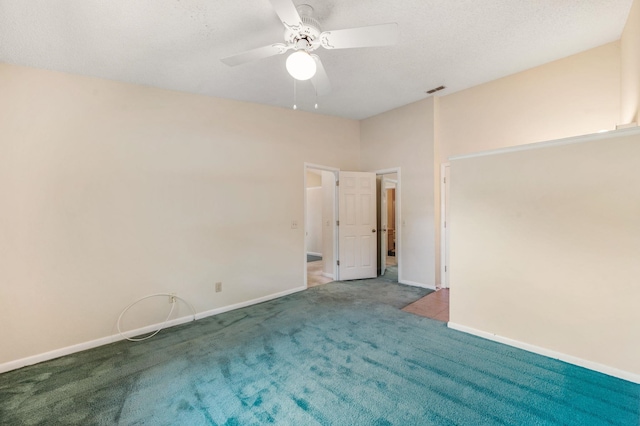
(630, 54)
(112, 191)
(404, 138)
(545, 246)
(573, 96)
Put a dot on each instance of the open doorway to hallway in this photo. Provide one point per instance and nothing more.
(388, 183)
(364, 231)
(390, 201)
(320, 205)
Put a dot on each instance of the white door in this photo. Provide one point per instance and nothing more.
(357, 228)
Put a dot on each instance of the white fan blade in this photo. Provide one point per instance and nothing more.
(255, 54)
(320, 80)
(375, 35)
(287, 12)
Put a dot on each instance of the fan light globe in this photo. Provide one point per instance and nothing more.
(301, 65)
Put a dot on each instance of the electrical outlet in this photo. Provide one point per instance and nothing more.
(218, 287)
(294, 224)
(172, 298)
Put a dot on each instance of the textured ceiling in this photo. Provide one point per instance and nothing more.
(177, 44)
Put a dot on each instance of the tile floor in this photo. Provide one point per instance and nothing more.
(434, 305)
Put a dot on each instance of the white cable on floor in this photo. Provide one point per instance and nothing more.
(173, 304)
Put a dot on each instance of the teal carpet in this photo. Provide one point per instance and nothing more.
(337, 354)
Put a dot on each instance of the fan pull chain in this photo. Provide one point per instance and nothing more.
(316, 91)
(295, 95)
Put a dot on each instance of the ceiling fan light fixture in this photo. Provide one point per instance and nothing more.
(301, 65)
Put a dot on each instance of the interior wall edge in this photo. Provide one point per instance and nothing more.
(536, 234)
(630, 67)
(551, 143)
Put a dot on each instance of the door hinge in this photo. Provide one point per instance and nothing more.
(337, 223)
(445, 180)
(445, 223)
(445, 268)
(338, 262)
(337, 183)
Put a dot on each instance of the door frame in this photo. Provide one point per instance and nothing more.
(444, 234)
(397, 171)
(335, 172)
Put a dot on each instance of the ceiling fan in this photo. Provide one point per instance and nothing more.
(303, 35)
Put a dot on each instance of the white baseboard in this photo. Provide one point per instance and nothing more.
(327, 275)
(313, 253)
(57, 353)
(415, 284)
(601, 368)
(224, 309)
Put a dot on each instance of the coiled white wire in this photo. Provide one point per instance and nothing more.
(173, 304)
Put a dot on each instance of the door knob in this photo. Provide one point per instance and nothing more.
(373, 230)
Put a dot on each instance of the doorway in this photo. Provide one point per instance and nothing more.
(322, 212)
(389, 226)
(320, 233)
(388, 182)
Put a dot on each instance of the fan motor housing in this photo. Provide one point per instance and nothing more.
(302, 36)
